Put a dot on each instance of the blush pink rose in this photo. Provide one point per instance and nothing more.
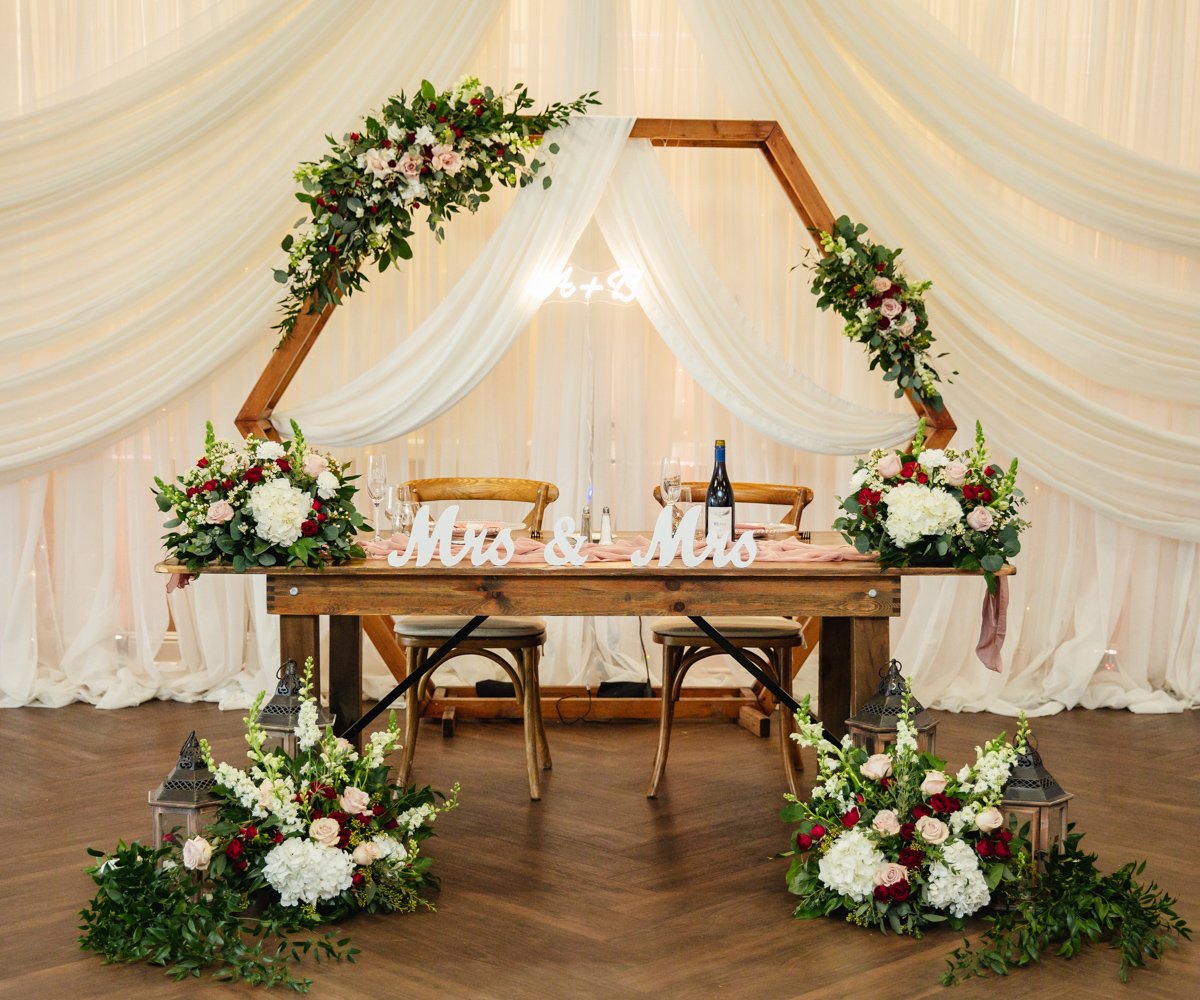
(890, 874)
(932, 830)
(878, 765)
(955, 473)
(881, 284)
(376, 161)
(935, 782)
(219, 512)
(366, 853)
(197, 853)
(411, 165)
(990, 819)
(445, 158)
(889, 466)
(355, 800)
(980, 519)
(886, 822)
(890, 308)
(325, 831)
(315, 464)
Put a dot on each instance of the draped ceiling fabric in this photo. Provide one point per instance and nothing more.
(1038, 162)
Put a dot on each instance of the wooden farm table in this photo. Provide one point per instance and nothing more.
(855, 601)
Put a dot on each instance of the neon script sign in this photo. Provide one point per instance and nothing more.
(574, 285)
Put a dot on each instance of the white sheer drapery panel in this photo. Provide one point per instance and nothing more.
(787, 64)
(167, 170)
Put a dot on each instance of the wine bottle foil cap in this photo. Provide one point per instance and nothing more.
(720, 442)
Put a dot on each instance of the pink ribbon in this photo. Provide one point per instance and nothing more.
(994, 626)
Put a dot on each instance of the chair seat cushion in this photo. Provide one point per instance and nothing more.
(732, 627)
(444, 626)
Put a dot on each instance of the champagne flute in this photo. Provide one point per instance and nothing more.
(391, 506)
(671, 481)
(406, 509)
(376, 485)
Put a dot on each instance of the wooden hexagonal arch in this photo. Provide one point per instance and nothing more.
(765, 136)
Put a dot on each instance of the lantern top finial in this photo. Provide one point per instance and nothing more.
(190, 782)
(1029, 781)
(191, 757)
(289, 679)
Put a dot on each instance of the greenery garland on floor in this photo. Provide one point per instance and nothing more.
(1064, 909)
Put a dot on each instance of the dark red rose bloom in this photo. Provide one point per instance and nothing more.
(374, 209)
(900, 891)
(328, 792)
(970, 492)
(1005, 835)
(321, 518)
(333, 251)
(479, 112)
(442, 118)
(358, 880)
(248, 832)
(228, 484)
(210, 486)
(234, 849)
(168, 838)
(253, 474)
(320, 201)
(984, 848)
(284, 465)
(922, 478)
(332, 193)
(241, 866)
(354, 137)
(340, 816)
(882, 893)
(457, 132)
(277, 837)
(191, 492)
(316, 504)
(391, 824)
(432, 106)
(992, 470)
(308, 528)
(985, 494)
(920, 811)
(803, 842)
(860, 798)
(817, 832)
(377, 809)
(317, 814)
(885, 783)
(850, 819)
(906, 831)
(1001, 850)
(202, 462)
(880, 268)
(894, 290)
(873, 301)
(883, 323)
(910, 857)
(953, 804)
(391, 163)
(939, 803)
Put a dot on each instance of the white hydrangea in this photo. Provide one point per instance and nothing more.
(849, 866)
(327, 485)
(278, 509)
(916, 511)
(931, 458)
(956, 883)
(268, 451)
(964, 818)
(300, 870)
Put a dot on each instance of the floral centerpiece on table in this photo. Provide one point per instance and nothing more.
(441, 152)
(934, 507)
(885, 312)
(298, 842)
(265, 503)
(895, 841)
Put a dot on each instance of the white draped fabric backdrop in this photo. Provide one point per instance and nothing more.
(1038, 163)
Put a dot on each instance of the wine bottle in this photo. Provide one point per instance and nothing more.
(718, 502)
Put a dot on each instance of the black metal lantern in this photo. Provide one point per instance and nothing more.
(1033, 797)
(277, 717)
(184, 803)
(873, 726)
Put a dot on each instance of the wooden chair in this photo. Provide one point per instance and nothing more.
(497, 639)
(768, 642)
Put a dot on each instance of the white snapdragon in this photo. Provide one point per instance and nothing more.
(241, 785)
(906, 736)
(381, 744)
(300, 870)
(849, 866)
(416, 817)
(308, 733)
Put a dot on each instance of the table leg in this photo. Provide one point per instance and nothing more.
(300, 638)
(852, 652)
(345, 673)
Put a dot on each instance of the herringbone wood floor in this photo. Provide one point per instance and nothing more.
(595, 891)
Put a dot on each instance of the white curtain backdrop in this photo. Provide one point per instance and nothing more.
(1064, 294)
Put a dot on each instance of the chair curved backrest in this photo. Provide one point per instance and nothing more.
(796, 498)
(532, 491)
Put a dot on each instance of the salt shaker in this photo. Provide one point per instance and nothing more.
(585, 523)
(606, 537)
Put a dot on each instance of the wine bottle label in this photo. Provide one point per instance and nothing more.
(720, 522)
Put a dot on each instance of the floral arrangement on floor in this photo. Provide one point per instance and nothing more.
(439, 151)
(863, 283)
(265, 503)
(308, 839)
(893, 840)
(934, 507)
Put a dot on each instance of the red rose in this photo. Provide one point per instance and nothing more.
(354, 137)
(210, 486)
(900, 892)
(332, 193)
(885, 783)
(894, 291)
(442, 118)
(970, 492)
(880, 268)
(191, 492)
(320, 201)
(374, 209)
(391, 163)
(316, 504)
(253, 474)
(985, 494)
(910, 857)
(328, 792)
(228, 484)
(817, 832)
(874, 301)
(1005, 835)
(992, 470)
(277, 837)
(340, 816)
(479, 112)
(803, 842)
(241, 866)
(939, 803)
(1001, 850)
(432, 106)
(882, 893)
(984, 848)
(333, 251)
(920, 811)
(906, 831)
(883, 323)
(168, 838)
(908, 470)
(317, 814)
(202, 463)
(391, 824)
(387, 143)
(850, 819)
(248, 832)
(284, 465)
(308, 528)
(321, 518)
(234, 849)
(922, 478)
(377, 809)
(358, 880)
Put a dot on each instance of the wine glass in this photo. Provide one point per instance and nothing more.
(406, 509)
(391, 506)
(376, 485)
(681, 506)
(671, 481)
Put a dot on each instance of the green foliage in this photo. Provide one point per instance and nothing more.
(1066, 908)
(149, 908)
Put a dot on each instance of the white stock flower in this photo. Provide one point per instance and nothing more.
(278, 508)
(424, 136)
(931, 458)
(327, 485)
(916, 511)
(268, 451)
(242, 786)
(849, 866)
(308, 733)
(303, 871)
(415, 817)
(956, 883)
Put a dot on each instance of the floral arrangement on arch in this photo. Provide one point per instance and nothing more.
(265, 503)
(893, 840)
(298, 842)
(934, 507)
(441, 152)
(864, 284)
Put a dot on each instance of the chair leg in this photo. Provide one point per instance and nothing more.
(535, 658)
(781, 660)
(412, 715)
(529, 714)
(671, 658)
